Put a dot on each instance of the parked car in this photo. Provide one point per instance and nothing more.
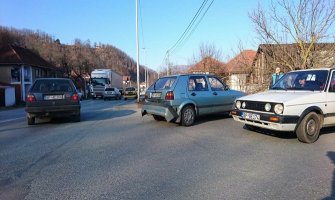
(181, 98)
(52, 97)
(121, 91)
(301, 102)
(112, 93)
(130, 93)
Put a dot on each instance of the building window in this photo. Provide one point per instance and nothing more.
(16, 74)
(27, 74)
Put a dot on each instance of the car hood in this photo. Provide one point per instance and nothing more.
(286, 97)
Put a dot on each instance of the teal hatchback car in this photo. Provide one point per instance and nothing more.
(181, 98)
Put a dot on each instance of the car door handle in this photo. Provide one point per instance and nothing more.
(214, 93)
(193, 94)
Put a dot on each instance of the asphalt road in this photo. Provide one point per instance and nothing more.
(114, 153)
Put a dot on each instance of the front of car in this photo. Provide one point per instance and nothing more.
(281, 107)
(130, 93)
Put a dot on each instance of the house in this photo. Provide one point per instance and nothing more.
(19, 67)
(289, 57)
(207, 65)
(238, 70)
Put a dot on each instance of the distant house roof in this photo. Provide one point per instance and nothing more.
(15, 55)
(207, 64)
(241, 63)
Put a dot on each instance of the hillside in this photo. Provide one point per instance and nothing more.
(81, 57)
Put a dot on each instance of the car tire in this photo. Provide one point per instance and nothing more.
(76, 118)
(125, 99)
(308, 130)
(187, 116)
(31, 120)
(158, 118)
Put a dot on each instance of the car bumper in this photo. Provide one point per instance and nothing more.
(165, 111)
(110, 96)
(53, 110)
(268, 121)
(132, 96)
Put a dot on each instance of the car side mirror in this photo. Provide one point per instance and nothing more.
(226, 87)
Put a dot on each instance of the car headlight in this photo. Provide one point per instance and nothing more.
(238, 104)
(267, 107)
(243, 105)
(279, 108)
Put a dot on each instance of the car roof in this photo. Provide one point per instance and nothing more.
(53, 79)
(315, 69)
(189, 74)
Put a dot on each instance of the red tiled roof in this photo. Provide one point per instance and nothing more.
(241, 63)
(17, 56)
(207, 64)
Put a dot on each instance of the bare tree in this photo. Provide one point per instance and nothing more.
(295, 32)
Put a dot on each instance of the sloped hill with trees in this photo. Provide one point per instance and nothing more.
(77, 59)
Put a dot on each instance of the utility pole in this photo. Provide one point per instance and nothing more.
(168, 63)
(137, 55)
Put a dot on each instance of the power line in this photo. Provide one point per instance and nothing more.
(190, 29)
(189, 25)
(195, 27)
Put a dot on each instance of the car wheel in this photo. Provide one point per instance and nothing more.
(309, 128)
(187, 116)
(158, 118)
(31, 120)
(125, 99)
(76, 118)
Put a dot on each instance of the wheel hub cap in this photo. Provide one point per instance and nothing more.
(311, 127)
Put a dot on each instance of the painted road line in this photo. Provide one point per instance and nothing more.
(8, 120)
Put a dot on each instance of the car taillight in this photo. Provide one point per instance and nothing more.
(169, 95)
(75, 97)
(31, 98)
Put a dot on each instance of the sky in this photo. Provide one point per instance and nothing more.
(161, 24)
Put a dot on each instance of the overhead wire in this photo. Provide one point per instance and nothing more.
(189, 30)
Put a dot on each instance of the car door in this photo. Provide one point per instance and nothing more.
(330, 115)
(199, 92)
(221, 97)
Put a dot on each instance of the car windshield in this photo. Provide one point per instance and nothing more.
(163, 83)
(99, 81)
(314, 80)
(52, 85)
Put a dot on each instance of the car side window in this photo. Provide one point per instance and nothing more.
(216, 84)
(197, 83)
(332, 83)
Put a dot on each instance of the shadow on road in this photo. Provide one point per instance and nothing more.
(212, 117)
(278, 134)
(288, 135)
(331, 156)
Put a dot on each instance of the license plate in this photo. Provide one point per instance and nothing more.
(156, 94)
(251, 116)
(53, 97)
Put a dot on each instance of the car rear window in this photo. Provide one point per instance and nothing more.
(109, 89)
(130, 89)
(163, 83)
(52, 85)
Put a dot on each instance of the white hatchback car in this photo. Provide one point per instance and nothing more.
(301, 101)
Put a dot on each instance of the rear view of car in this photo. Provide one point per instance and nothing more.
(52, 97)
(130, 93)
(112, 93)
(182, 98)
